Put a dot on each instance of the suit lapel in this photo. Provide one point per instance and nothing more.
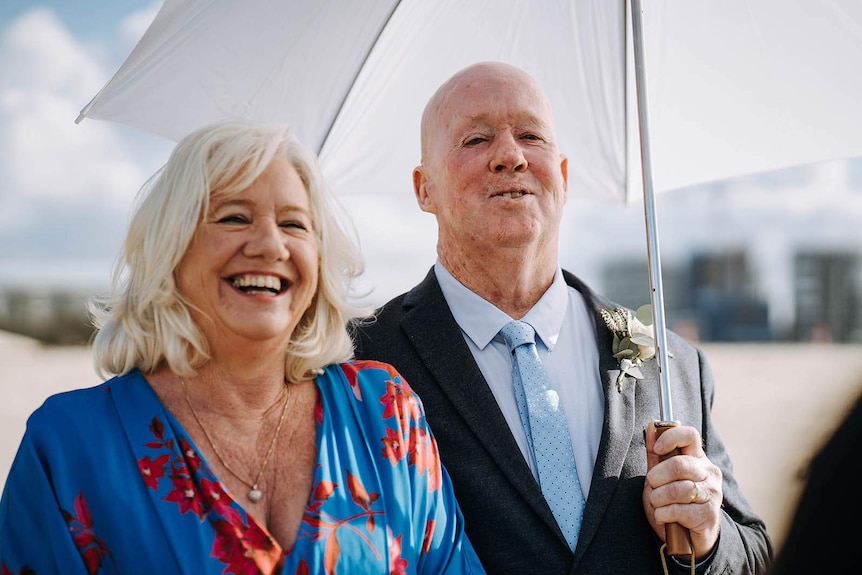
(618, 426)
(445, 353)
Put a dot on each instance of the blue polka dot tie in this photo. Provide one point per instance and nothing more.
(547, 431)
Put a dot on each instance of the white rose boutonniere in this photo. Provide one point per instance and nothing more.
(634, 339)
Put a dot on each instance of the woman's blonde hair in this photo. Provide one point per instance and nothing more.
(145, 322)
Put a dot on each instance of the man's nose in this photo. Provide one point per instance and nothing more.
(507, 154)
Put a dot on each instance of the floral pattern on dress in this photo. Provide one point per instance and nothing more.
(409, 438)
(245, 548)
(319, 524)
(92, 548)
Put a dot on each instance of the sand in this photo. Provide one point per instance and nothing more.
(775, 404)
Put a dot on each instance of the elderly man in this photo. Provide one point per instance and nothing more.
(596, 499)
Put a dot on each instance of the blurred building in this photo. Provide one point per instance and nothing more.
(711, 296)
(51, 315)
(724, 299)
(828, 293)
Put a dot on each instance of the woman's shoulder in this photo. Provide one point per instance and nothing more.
(371, 368)
(78, 405)
(375, 379)
(373, 373)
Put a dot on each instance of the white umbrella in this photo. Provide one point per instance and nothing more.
(731, 87)
(734, 86)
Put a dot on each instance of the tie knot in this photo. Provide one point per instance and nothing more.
(517, 333)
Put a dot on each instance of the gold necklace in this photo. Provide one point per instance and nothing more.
(254, 494)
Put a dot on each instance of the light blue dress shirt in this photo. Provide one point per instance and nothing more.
(566, 344)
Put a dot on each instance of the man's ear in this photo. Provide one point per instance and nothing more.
(420, 188)
(564, 170)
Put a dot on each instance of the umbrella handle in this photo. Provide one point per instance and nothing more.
(677, 537)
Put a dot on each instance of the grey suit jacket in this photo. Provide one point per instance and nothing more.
(507, 518)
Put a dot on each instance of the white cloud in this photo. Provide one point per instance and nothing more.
(48, 76)
(135, 24)
(38, 52)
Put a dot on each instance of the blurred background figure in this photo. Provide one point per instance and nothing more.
(825, 527)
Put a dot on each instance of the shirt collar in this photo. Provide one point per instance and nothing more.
(481, 320)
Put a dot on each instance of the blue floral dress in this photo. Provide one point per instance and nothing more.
(106, 480)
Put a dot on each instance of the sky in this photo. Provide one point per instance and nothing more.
(66, 189)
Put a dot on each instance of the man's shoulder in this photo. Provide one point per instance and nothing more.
(394, 308)
(379, 334)
(426, 291)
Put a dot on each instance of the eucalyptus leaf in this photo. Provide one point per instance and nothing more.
(643, 340)
(635, 372)
(624, 353)
(644, 314)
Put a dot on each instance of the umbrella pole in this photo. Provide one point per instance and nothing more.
(656, 293)
(678, 538)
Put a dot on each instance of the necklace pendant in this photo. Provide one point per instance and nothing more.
(255, 494)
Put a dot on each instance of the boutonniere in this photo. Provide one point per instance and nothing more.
(634, 339)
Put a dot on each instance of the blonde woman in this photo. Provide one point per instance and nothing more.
(237, 435)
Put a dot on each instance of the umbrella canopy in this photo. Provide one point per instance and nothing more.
(734, 87)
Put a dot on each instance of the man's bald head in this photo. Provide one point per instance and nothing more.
(482, 76)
